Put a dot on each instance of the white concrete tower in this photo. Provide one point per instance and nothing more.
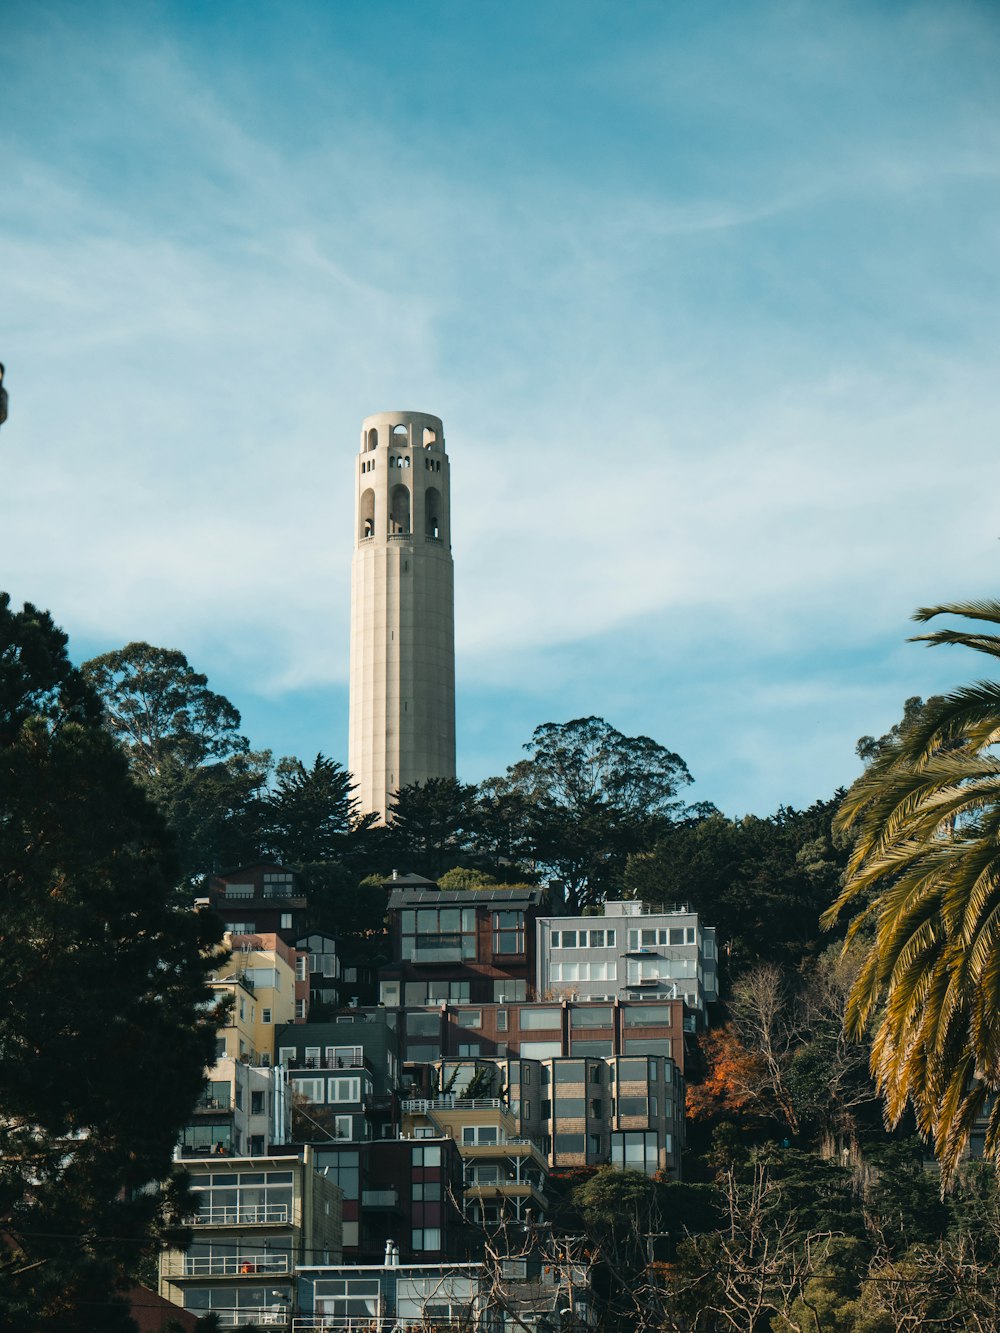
(402, 726)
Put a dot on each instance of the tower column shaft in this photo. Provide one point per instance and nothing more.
(402, 704)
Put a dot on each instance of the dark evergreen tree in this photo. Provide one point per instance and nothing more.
(105, 1018)
(312, 815)
(432, 824)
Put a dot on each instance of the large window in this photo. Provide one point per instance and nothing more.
(533, 1019)
(347, 1299)
(473, 1134)
(343, 1090)
(583, 939)
(508, 932)
(598, 1016)
(343, 1168)
(434, 992)
(205, 1139)
(438, 934)
(635, 1150)
(540, 1050)
(312, 1089)
(243, 1197)
(648, 1046)
(647, 1015)
(603, 970)
(260, 1303)
(423, 1025)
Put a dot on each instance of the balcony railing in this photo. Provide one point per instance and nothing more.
(428, 1323)
(349, 1060)
(230, 1318)
(423, 1106)
(400, 536)
(230, 1265)
(248, 1215)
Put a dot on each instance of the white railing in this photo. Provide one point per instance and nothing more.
(230, 1318)
(401, 536)
(253, 1214)
(234, 1266)
(430, 1323)
(447, 1103)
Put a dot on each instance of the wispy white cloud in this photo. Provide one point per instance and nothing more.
(687, 397)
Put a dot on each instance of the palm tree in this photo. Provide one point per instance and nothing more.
(924, 881)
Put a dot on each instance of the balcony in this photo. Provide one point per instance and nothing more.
(259, 1214)
(214, 1104)
(231, 1318)
(422, 1106)
(439, 1323)
(506, 1189)
(267, 1263)
(347, 1059)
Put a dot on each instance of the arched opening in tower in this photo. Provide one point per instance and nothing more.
(366, 514)
(399, 509)
(432, 513)
(372, 439)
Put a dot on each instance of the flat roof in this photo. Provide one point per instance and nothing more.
(404, 897)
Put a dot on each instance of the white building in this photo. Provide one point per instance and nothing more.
(631, 951)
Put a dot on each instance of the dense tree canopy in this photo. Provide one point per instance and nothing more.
(588, 796)
(432, 824)
(761, 882)
(184, 746)
(312, 814)
(104, 1030)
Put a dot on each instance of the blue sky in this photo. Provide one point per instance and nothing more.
(706, 295)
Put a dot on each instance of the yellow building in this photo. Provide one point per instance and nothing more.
(503, 1173)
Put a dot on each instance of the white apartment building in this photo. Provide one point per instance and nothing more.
(633, 950)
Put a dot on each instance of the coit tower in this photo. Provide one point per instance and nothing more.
(402, 723)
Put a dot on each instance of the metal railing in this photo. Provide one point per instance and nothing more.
(230, 1317)
(429, 1323)
(249, 1215)
(230, 1265)
(448, 1103)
